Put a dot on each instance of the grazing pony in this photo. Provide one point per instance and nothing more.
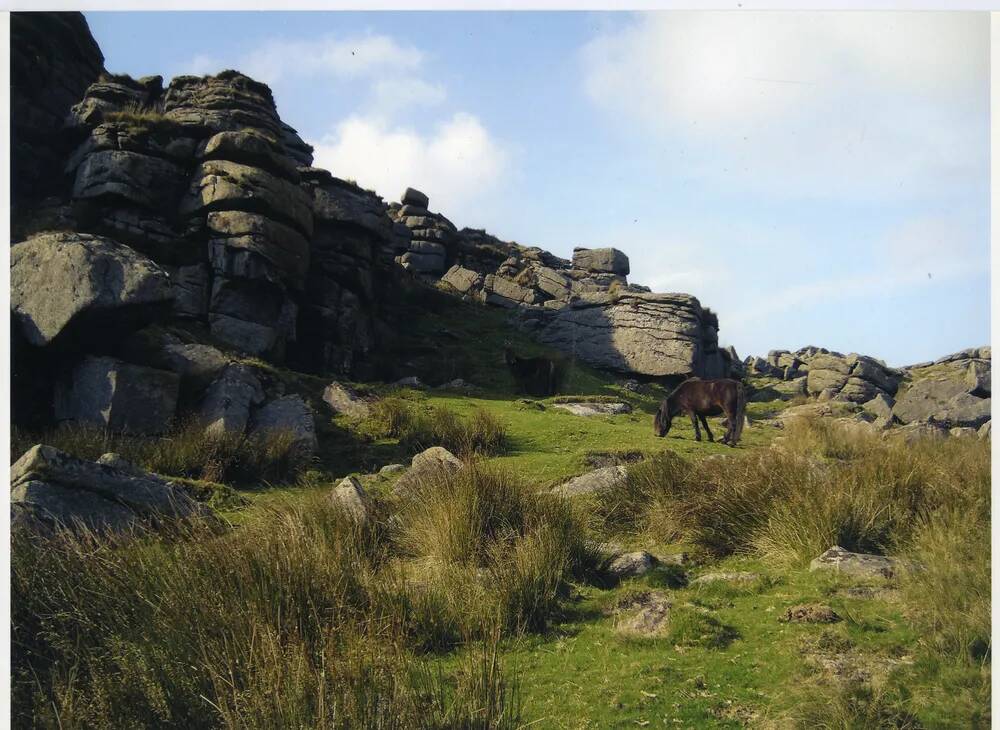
(537, 376)
(699, 398)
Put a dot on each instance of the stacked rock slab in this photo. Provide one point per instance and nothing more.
(431, 234)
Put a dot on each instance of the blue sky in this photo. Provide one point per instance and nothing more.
(815, 178)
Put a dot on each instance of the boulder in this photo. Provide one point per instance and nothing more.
(416, 198)
(345, 400)
(227, 101)
(422, 263)
(810, 613)
(913, 433)
(109, 393)
(648, 334)
(628, 565)
(880, 406)
(962, 432)
(737, 578)
(288, 414)
(197, 364)
(875, 372)
(462, 280)
(77, 285)
(594, 409)
(978, 378)
(964, 410)
(924, 398)
(860, 565)
(252, 246)
(501, 291)
(858, 390)
(599, 480)
(228, 401)
(55, 488)
(189, 286)
(351, 497)
(250, 147)
(985, 431)
(827, 371)
(602, 260)
(430, 463)
(391, 469)
(645, 614)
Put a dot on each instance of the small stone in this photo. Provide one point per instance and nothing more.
(351, 497)
(862, 565)
(736, 577)
(810, 613)
(629, 565)
(599, 480)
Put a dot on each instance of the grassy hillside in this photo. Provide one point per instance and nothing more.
(478, 600)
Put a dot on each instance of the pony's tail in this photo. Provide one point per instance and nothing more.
(741, 410)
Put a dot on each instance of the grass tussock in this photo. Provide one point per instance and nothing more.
(187, 452)
(294, 620)
(419, 426)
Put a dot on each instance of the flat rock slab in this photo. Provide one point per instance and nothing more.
(599, 480)
(645, 614)
(737, 578)
(595, 409)
(810, 613)
(862, 565)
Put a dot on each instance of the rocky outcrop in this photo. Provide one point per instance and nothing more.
(229, 400)
(287, 415)
(50, 488)
(601, 261)
(431, 234)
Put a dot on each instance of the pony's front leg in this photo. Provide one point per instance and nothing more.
(697, 431)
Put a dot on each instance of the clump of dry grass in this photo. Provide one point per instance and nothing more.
(420, 426)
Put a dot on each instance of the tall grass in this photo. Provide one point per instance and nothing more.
(294, 620)
(187, 451)
(419, 426)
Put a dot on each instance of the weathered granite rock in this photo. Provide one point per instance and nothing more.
(415, 197)
(964, 410)
(827, 371)
(344, 399)
(114, 93)
(985, 431)
(197, 364)
(138, 178)
(599, 480)
(73, 283)
(351, 497)
(109, 393)
(606, 260)
(646, 614)
(250, 147)
(628, 565)
(424, 263)
(54, 487)
(978, 378)
(925, 398)
(228, 401)
(594, 409)
(914, 433)
(462, 280)
(288, 414)
(809, 613)
(737, 578)
(428, 464)
(880, 406)
(252, 246)
(227, 101)
(651, 334)
(862, 565)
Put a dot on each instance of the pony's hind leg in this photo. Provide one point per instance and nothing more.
(697, 431)
(708, 431)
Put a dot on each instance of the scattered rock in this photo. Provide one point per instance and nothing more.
(738, 578)
(391, 469)
(346, 400)
(880, 406)
(228, 401)
(628, 565)
(606, 260)
(913, 433)
(985, 429)
(810, 613)
(351, 497)
(429, 463)
(411, 381)
(595, 409)
(925, 398)
(599, 480)
(645, 614)
(861, 565)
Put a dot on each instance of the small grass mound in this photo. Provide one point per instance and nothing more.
(419, 426)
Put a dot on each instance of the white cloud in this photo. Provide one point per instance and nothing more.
(457, 164)
(329, 56)
(848, 105)
(392, 95)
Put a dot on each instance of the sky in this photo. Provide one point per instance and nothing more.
(814, 178)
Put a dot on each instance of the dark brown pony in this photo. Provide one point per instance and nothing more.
(699, 398)
(537, 376)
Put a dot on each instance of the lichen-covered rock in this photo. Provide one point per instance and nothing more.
(645, 614)
(344, 399)
(978, 378)
(228, 401)
(351, 497)
(651, 334)
(599, 480)
(964, 410)
(196, 363)
(415, 197)
(462, 280)
(71, 284)
(862, 565)
(227, 101)
(138, 178)
(288, 414)
(109, 393)
(50, 487)
(629, 565)
(253, 246)
(431, 463)
(604, 260)
(250, 147)
(594, 409)
(925, 398)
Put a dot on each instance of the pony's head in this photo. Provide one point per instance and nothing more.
(663, 419)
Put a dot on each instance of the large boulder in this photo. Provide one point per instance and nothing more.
(650, 334)
(229, 400)
(288, 414)
(978, 378)
(74, 285)
(827, 371)
(924, 398)
(351, 497)
(227, 101)
(601, 260)
(50, 487)
(431, 463)
(964, 410)
(109, 393)
(346, 400)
